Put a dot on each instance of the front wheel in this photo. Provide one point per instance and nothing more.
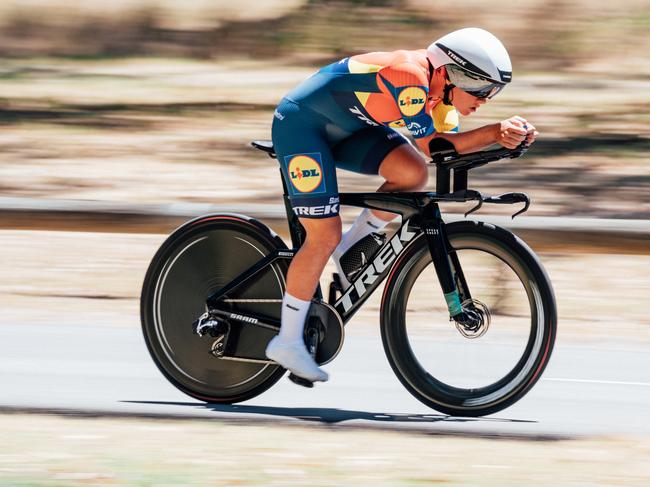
(439, 364)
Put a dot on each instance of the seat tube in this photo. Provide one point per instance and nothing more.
(436, 235)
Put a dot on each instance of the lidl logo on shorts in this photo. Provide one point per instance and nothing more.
(305, 173)
(411, 101)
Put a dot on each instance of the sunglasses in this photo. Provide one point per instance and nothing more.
(472, 84)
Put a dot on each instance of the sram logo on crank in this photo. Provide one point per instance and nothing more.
(380, 263)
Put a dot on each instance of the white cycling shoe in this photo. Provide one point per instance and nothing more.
(294, 357)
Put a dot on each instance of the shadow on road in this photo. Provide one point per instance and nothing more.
(332, 415)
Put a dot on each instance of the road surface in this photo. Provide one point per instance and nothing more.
(595, 389)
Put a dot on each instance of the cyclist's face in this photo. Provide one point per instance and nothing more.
(465, 103)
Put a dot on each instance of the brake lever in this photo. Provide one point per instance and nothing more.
(480, 199)
(510, 198)
(525, 208)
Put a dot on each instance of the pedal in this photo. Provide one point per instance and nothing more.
(300, 381)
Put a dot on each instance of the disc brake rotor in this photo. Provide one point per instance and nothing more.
(480, 327)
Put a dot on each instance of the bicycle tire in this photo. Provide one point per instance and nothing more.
(496, 396)
(197, 259)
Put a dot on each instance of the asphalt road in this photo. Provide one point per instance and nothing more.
(594, 389)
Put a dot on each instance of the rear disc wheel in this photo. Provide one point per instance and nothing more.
(195, 261)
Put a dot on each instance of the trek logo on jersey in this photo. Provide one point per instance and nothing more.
(361, 116)
(411, 101)
(305, 173)
(319, 210)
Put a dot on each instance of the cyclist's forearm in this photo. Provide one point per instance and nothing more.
(473, 140)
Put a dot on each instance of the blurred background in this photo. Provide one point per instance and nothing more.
(138, 102)
(155, 101)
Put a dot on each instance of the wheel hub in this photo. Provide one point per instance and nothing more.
(475, 319)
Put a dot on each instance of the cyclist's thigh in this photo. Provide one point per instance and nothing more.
(306, 161)
(405, 167)
(364, 150)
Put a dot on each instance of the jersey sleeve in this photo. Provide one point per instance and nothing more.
(445, 119)
(409, 88)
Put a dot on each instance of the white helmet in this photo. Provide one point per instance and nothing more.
(476, 61)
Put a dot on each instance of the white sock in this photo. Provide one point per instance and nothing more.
(365, 224)
(294, 314)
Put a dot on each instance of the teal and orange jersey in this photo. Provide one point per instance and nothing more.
(378, 88)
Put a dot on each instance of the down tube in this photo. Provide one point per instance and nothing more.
(375, 272)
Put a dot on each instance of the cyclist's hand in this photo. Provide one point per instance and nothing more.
(514, 131)
(531, 131)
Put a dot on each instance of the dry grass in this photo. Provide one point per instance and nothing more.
(187, 14)
(542, 35)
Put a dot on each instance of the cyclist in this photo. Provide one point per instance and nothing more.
(345, 116)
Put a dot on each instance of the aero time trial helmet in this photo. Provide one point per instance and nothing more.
(475, 60)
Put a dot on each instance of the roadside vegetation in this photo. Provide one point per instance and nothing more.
(146, 101)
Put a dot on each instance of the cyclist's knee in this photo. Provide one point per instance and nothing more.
(413, 177)
(418, 177)
(404, 169)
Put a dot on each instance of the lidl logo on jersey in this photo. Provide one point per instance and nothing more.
(305, 173)
(411, 101)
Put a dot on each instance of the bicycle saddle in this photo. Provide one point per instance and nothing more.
(265, 145)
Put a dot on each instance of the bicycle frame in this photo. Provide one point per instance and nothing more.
(419, 210)
(420, 214)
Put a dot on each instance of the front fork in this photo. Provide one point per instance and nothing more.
(450, 274)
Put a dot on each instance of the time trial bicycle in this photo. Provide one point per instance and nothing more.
(467, 314)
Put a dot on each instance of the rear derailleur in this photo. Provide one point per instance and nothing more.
(209, 324)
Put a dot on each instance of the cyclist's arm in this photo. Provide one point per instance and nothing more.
(508, 133)
(470, 141)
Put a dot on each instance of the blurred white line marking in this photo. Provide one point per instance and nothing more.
(590, 381)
